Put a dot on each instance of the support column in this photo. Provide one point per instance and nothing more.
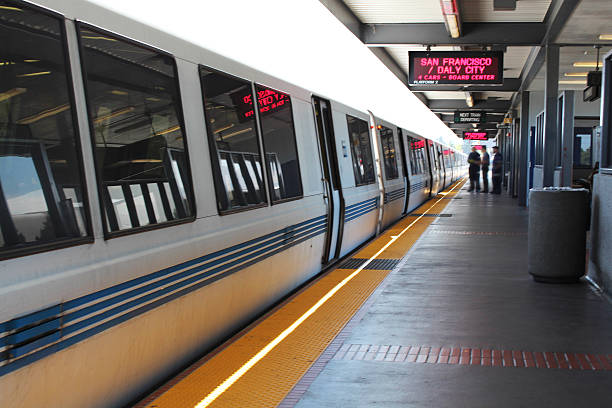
(551, 95)
(567, 137)
(524, 142)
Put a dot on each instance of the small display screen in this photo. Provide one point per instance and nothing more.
(460, 67)
(475, 135)
(268, 100)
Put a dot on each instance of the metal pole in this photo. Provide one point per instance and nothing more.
(524, 140)
(567, 137)
(551, 91)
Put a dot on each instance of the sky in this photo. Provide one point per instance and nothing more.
(299, 41)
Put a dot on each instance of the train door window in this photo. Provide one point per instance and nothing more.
(583, 139)
(42, 192)
(233, 141)
(417, 148)
(388, 146)
(361, 150)
(137, 126)
(433, 156)
(278, 133)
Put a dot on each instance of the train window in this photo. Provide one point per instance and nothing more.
(417, 156)
(361, 150)
(388, 146)
(278, 134)
(232, 137)
(41, 179)
(136, 121)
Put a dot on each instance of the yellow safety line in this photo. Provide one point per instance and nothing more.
(271, 345)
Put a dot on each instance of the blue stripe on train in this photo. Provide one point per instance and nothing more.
(45, 329)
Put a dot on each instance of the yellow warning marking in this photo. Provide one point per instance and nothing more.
(289, 341)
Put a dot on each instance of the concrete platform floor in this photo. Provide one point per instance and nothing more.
(464, 286)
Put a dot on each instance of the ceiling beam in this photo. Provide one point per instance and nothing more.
(459, 104)
(391, 64)
(436, 34)
(509, 85)
(346, 16)
(556, 17)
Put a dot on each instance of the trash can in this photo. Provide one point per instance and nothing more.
(557, 234)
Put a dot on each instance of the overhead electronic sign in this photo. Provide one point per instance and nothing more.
(456, 67)
(469, 135)
(470, 117)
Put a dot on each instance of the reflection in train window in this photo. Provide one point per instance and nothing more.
(417, 156)
(41, 181)
(232, 136)
(279, 143)
(134, 110)
(388, 145)
(361, 150)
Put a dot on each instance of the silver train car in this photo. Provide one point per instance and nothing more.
(155, 197)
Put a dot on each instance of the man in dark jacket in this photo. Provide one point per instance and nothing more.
(497, 170)
(484, 167)
(474, 161)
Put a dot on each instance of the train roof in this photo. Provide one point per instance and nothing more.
(314, 53)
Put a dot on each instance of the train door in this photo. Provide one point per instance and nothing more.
(433, 168)
(331, 180)
(443, 169)
(402, 147)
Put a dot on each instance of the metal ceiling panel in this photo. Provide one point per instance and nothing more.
(514, 61)
(396, 11)
(590, 19)
(527, 11)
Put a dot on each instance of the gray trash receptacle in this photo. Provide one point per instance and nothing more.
(557, 234)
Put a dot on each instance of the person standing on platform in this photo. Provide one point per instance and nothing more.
(474, 161)
(497, 170)
(484, 167)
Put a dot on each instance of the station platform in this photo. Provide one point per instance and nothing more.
(439, 311)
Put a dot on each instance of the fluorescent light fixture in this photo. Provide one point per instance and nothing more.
(152, 99)
(113, 114)
(605, 37)
(588, 64)
(239, 132)
(453, 26)
(99, 37)
(44, 114)
(145, 161)
(2, 63)
(10, 8)
(118, 92)
(469, 99)
(223, 128)
(572, 82)
(169, 130)
(34, 74)
(11, 93)
(576, 74)
(31, 60)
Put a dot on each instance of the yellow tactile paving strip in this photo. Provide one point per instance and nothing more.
(269, 381)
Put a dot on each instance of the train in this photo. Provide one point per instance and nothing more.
(156, 197)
